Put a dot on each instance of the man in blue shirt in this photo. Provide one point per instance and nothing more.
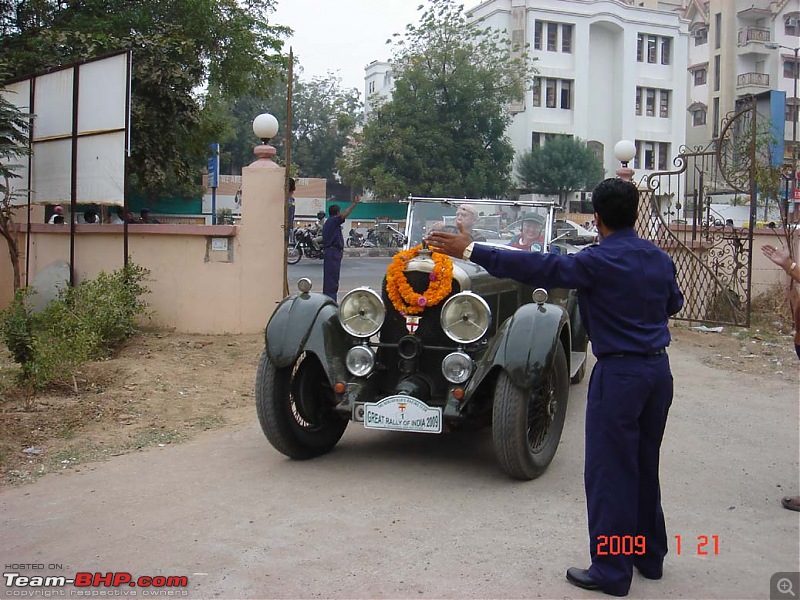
(627, 291)
(333, 247)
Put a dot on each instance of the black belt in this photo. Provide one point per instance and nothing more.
(658, 352)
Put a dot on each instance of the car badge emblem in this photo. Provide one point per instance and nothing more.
(412, 323)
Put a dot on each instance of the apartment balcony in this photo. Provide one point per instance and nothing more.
(754, 79)
(752, 40)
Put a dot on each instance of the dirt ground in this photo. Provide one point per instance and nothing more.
(164, 388)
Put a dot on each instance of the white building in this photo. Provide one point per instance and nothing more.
(737, 48)
(608, 70)
(378, 84)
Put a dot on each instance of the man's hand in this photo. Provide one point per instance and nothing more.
(452, 244)
(779, 257)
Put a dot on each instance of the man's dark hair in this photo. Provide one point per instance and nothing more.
(292, 184)
(616, 201)
(333, 210)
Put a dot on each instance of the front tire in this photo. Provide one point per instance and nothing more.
(527, 424)
(295, 407)
(293, 255)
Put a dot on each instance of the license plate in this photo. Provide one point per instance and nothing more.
(403, 413)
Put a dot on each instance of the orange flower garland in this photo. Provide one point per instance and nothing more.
(405, 300)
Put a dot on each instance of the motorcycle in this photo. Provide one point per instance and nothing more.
(306, 242)
(397, 237)
(354, 239)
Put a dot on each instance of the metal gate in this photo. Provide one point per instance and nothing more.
(713, 257)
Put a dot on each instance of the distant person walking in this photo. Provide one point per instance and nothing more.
(333, 248)
(58, 215)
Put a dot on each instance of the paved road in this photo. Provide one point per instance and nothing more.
(389, 515)
(356, 271)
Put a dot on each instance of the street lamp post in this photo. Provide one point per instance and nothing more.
(624, 151)
(795, 72)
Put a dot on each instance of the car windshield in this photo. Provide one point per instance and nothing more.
(486, 221)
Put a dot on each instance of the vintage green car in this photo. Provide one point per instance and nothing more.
(492, 352)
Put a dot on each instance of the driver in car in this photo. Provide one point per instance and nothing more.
(466, 215)
(532, 235)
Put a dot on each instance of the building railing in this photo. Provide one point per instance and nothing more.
(753, 34)
(758, 79)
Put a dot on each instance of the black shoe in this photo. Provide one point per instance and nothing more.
(650, 573)
(581, 578)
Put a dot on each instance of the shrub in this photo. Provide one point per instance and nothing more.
(84, 323)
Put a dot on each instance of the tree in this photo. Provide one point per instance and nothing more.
(443, 131)
(563, 165)
(179, 47)
(325, 116)
(14, 127)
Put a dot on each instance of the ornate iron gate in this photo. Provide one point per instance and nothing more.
(712, 256)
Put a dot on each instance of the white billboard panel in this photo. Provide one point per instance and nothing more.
(102, 121)
(102, 95)
(19, 94)
(52, 170)
(101, 168)
(53, 105)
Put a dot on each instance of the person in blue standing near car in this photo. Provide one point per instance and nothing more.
(627, 290)
(333, 247)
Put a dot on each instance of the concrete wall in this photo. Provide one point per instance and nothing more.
(204, 279)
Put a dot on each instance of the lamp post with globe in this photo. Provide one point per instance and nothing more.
(624, 151)
(265, 126)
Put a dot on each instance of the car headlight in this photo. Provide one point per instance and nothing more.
(457, 367)
(466, 317)
(360, 361)
(361, 312)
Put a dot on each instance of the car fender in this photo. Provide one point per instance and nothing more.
(524, 346)
(308, 322)
(579, 336)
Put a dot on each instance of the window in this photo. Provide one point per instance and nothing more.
(792, 25)
(717, 30)
(552, 37)
(791, 69)
(649, 156)
(537, 35)
(537, 91)
(715, 117)
(663, 155)
(636, 158)
(792, 106)
(700, 76)
(663, 110)
(640, 48)
(566, 94)
(639, 101)
(566, 39)
(371, 87)
(536, 139)
(650, 105)
(701, 36)
(717, 68)
(666, 48)
(699, 117)
(652, 49)
(550, 93)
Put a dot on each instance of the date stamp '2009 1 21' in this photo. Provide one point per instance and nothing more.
(636, 545)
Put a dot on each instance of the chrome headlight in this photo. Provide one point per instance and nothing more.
(466, 317)
(457, 367)
(361, 312)
(360, 361)
(540, 296)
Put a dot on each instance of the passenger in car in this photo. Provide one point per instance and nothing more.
(627, 290)
(532, 236)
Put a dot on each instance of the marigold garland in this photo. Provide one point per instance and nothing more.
(405, 300)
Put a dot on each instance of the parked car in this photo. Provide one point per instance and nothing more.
(442, 346)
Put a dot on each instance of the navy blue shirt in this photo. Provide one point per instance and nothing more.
(626, 288)
(332, 233)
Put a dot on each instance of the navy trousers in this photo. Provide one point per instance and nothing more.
(626, 413)
(331, 268)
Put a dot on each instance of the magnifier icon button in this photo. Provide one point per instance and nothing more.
(784, 586)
